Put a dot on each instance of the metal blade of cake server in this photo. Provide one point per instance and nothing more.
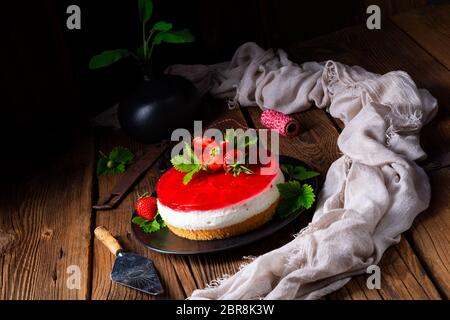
(136, 272)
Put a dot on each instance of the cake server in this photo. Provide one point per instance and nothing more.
(130, 269)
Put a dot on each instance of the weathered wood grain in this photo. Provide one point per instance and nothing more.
(321, 154)
(118, 222)
(391, 7)
(45, 224)
(431, 232)
(429, 27)
(384, 51)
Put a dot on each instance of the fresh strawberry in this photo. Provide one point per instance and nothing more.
(146, 206)
(225, 146)
(200, 143)
(212, 158)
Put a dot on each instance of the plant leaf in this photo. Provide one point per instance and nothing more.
(101, 166)
(148, 226)
(300, 173)
(288, 169)
(107, 58)
(145, 10)
(290, 189)
(120, 168)
(294, 196)
(162, 26)
(121, 154)
(308, 197)
(189, 153)
(287, 207)
(139, 220)
(140, 53)
(188, 176)
(180, 36)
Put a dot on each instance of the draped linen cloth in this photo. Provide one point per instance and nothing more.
(371, 194)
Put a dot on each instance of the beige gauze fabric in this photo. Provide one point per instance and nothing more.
(371, 194)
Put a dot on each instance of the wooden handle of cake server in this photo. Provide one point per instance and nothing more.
(103, 234)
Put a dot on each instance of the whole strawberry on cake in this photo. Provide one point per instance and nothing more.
(213, 192)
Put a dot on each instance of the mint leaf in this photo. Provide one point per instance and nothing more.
(307, 197)
(288, 206)
(288, 169)
(115, 162)
(182, 164)
(120, 168)
(139, 220)
(101, 166)
(289, 189)
(298, 172)
(188, 177)
(189, 153)
(294, 196)
(188, 163)
(151, 226)
(148, 226)
(121, 154)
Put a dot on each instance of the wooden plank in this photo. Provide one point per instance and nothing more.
(430, 28)
(118, 222)
(376, 51)
(316, 145)
(390, 7)
(431, 232)
(45, 224)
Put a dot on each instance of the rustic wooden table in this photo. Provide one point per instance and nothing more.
(46, 223)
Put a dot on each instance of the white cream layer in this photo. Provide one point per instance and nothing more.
(224, 217)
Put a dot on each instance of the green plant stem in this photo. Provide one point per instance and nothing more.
(145, 41)
(147, 58)
(150, 34)
(150, 53)
(134, 55)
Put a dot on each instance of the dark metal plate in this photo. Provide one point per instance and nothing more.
(164, 241)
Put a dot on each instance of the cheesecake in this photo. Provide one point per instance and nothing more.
(215, 205)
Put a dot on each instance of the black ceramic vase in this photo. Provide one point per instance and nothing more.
(158, 105)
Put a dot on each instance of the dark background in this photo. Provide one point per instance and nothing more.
(48, 90)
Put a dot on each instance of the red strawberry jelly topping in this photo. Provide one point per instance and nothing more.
(209, 190)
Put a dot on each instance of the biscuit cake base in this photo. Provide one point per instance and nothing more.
(233, 230)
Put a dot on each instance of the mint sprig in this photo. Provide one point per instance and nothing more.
(148, 226)
(298, 172)
(188, 163)
(294, 196)
(115, 162)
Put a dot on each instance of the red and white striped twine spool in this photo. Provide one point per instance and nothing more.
(284, 124)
